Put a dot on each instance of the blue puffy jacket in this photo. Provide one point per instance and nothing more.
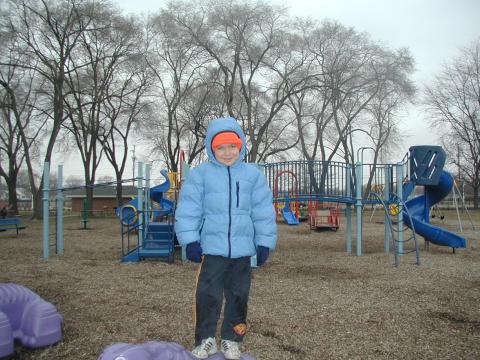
(228, 209)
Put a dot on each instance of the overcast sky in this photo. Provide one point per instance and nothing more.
(433, 30)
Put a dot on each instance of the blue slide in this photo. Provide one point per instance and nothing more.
(289, 216)
(128, 212)
(419, 209)
(156, 195)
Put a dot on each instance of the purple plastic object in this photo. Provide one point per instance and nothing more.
(154, 350)
(26, 317)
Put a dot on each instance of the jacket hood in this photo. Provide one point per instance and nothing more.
(220, 125)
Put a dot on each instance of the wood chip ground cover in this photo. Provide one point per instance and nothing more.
(311, 301)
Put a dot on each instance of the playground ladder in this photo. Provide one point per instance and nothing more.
(398, 206)
(158, 241)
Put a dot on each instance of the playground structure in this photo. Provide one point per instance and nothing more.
(324, 216)
(296, 183)
(286, 208)
(26, 317)
(147, 221)
(161, 206)
(344, 184)
(292, 211)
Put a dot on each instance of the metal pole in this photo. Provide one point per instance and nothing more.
(147, 194)
(185, 174)
(386, 194)
(358, 206)
(140, 203)
(46, 195)
(400, 213)
(133, 164)
(60, 210)
(348, 209)
(456, 204)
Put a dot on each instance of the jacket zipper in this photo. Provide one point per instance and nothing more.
(238, 194)
(229, 211)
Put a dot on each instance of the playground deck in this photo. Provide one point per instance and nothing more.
(311, 301)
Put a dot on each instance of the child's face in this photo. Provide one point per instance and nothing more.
(227, 154)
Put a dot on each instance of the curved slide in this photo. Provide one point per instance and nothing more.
(156, 195)
(419, 209)
(128, 212)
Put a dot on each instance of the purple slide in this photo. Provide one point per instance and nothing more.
(154, 350)
(26, 317)
(419, 209)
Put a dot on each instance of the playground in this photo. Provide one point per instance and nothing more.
(312, 300)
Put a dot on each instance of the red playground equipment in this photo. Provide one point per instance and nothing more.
(286, 187)
(325, 215)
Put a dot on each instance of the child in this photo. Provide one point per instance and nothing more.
(224, 216)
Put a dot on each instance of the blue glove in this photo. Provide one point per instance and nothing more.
(194, 252)
(262, 255)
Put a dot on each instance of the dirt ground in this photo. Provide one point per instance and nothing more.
(312, 300)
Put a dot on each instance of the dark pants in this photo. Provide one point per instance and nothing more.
(219, 277)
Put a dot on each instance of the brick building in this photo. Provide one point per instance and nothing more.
(104, 198)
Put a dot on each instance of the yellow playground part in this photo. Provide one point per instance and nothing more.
(393, 209)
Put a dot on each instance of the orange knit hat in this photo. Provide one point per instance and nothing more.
(226, 137)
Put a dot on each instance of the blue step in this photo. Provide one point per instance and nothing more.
(137, 254)
(154, 252)
(157, 231)
(160, 226)
(131, 257)
(158, 242)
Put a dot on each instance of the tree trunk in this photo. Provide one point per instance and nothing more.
(119, 192)
(475, 197)
(12, 196)
(38, 202)
(89, 193)
(119, 185)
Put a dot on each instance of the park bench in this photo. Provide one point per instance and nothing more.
(11, 223)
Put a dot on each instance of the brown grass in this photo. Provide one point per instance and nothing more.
(311, 301)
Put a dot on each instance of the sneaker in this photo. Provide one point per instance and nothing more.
(231, 350)
(205, 349)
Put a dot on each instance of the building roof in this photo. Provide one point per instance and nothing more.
(103, 192)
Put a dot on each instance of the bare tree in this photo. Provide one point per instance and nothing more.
(312, 105)
(341, 84)
(453, 102)
(198, 108)
(179, 68)
(346, 73)
(73, 181)
(250, 45)
(98, 77)
(18, 129)
(47, 33)
(381, 116)
(11, 150)
(128, 106)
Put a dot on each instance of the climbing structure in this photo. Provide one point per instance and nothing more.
(26, 317)
(147, 224)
